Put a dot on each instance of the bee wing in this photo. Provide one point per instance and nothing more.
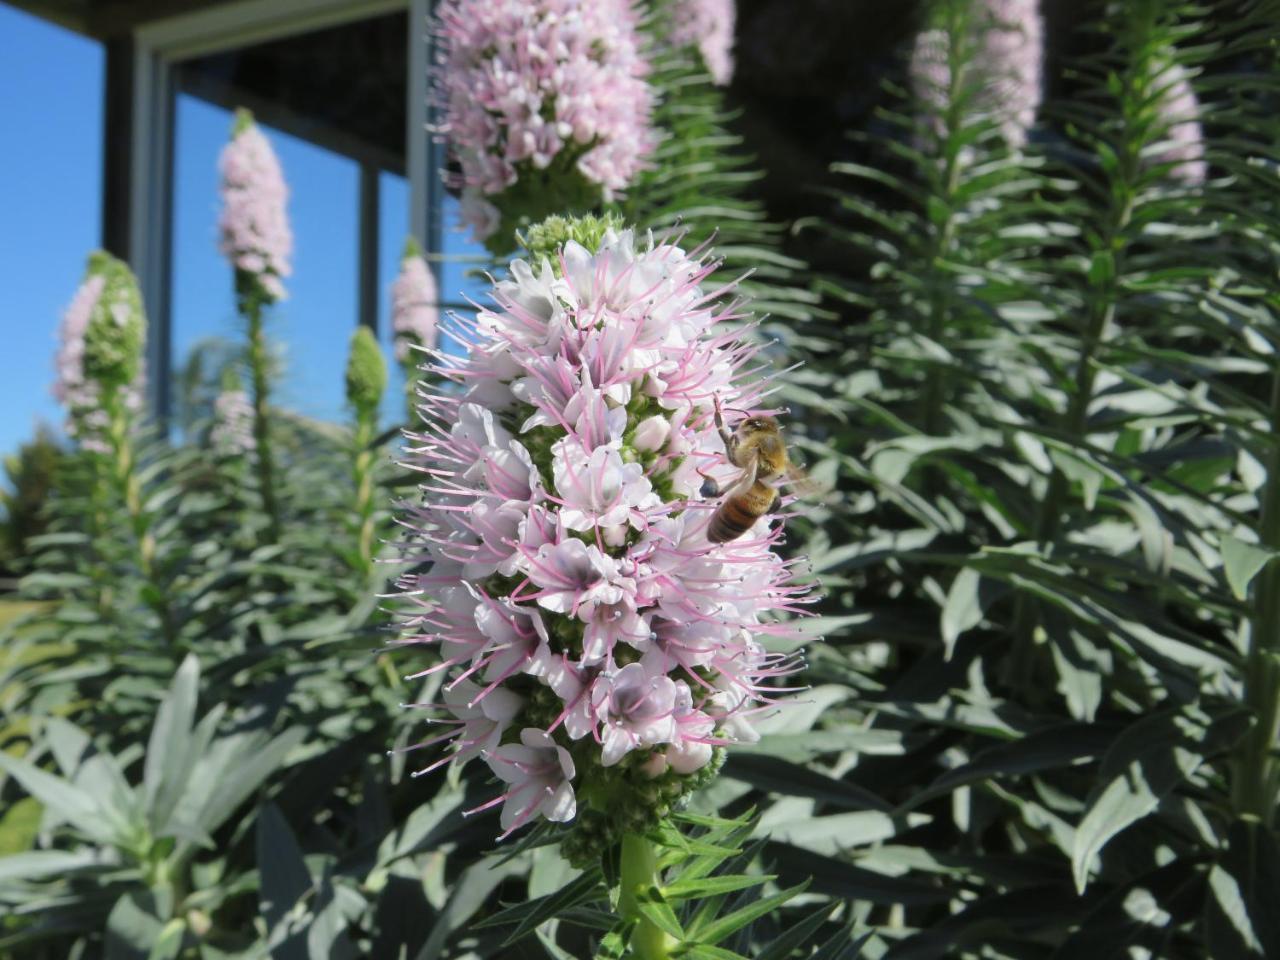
(797, 481)
(749, 472)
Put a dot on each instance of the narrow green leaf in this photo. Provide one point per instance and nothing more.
(1240, 914)
(717, 930)
(1148, 761)
(659, 912)
(133, 927)
(795, 936)
(711, 886)
(963, 608)
(285, 879)
(704, 951)
(1242, 562)
(65, 800)
(169, 757)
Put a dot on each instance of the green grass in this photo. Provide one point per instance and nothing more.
(11, 610)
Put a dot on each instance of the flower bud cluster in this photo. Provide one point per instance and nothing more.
(232, 432)
(366, 375)
(1004, 72)
(253, 226)
(99, 358)
(595, 644)
(547, 93)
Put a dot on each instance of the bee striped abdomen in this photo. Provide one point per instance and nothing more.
(736, 515)
(729, 522)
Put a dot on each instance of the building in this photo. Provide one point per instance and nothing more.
(276, 57)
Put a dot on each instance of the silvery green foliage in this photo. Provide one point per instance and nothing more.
(1056, 496)
(1039, 726)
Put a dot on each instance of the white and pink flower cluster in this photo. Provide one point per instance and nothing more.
(1180, 110)
(1005, 68)
(585, 624)
(522, 82)
(415, 310)
(87, 419)
(253, 226)
(232, 432)
(708, 25)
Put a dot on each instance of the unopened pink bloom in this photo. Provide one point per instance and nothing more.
(254, 227)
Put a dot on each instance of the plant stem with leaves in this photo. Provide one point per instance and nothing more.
(941, 213)
(1257, 772)
(1100, 294)
(124, 475)
(259, 369)
(366, 382)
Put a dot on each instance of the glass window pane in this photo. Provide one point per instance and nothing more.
(313, 326)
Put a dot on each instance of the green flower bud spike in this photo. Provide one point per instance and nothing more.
(366, 373)
(366, 381)
(115, 336)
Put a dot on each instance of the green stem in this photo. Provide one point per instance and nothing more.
(99, 564)
(130, 491)
(935, 389)
(362, 473)
(1101, 295)
(258, 367)
(1257, 774)
(639, 872)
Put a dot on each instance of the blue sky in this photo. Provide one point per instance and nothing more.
(51, 108)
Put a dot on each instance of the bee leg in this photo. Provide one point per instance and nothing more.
(730, 441)
(777, 503)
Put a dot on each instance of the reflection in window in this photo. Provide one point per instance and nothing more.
(312, 327)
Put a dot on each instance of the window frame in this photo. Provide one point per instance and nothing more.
(160, 46)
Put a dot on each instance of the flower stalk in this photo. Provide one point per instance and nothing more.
(255, 237)
(639, 873)
(366, 382)
(1257, 774)
(259, 372)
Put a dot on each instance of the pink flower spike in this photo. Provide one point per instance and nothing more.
(572, 591)
(254, 227)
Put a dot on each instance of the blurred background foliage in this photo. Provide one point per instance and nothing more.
(1039, 402)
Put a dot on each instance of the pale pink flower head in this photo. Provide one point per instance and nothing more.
(549, 91)
(565, 532)
(99, 360)
(1183, 137)
(232, 432)
(415, 310)
(253, 228)
(708, 25)
(1003, 78)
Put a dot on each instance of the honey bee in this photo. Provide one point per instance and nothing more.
(757, 448)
